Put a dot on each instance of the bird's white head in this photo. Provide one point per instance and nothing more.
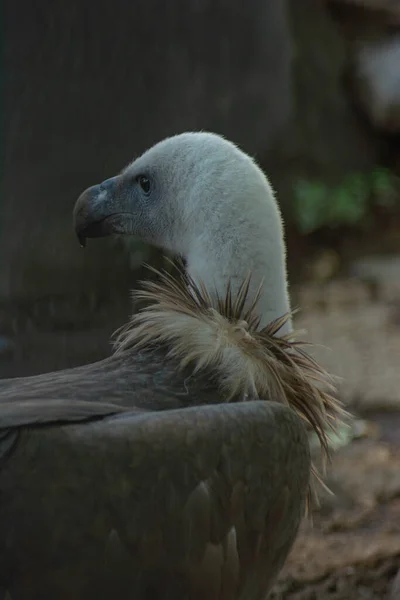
(199, 196)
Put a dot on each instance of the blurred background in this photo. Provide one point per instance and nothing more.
(311, 89)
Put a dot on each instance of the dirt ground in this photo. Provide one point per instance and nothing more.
(351, 550)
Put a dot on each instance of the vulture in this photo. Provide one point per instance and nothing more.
(179, 467)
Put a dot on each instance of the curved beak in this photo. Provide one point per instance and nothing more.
(99, 211)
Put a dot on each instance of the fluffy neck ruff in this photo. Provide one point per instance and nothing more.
(248, 362)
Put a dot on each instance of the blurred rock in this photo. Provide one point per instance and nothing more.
(371, 31)
(377, 82)
(324, 265)
(382, 270)
(356, 339)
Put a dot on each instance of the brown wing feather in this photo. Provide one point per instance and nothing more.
(188, 504)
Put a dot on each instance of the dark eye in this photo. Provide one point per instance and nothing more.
(144, 183)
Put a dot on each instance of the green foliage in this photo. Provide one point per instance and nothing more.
(316, 204)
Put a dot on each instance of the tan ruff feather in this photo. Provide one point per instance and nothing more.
(225, 339)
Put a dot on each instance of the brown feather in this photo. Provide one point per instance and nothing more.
(223, 336)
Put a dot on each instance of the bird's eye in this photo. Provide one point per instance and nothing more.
(144, 183)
